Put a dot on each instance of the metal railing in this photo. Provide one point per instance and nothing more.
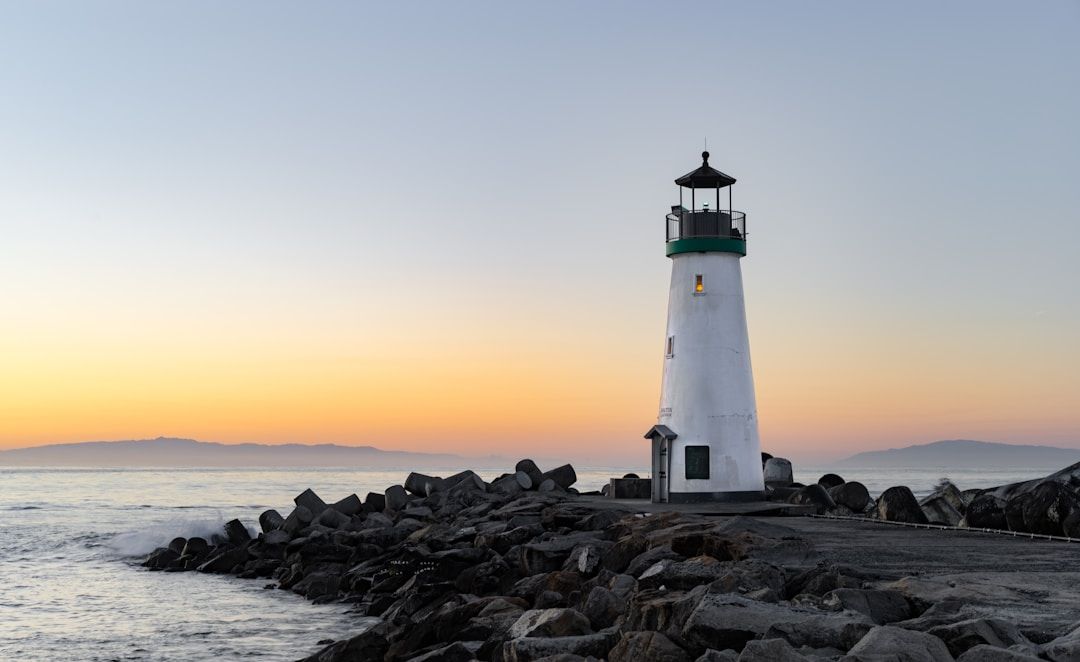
(705, 224)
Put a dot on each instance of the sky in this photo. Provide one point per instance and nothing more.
(439, 226)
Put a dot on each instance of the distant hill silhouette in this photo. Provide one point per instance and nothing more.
(167, 452)
(966, 453)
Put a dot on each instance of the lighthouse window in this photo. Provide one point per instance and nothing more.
(699, 284)
(697, 462)
(670, 351)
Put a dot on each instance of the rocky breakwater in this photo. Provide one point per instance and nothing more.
(522, 568)
(1045, 506)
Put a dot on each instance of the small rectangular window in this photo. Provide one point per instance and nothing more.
(697, 462)
(670, 351)
(699, 284)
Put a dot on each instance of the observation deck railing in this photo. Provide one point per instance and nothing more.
(705, 224)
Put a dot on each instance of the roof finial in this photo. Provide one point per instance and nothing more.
(705, 158)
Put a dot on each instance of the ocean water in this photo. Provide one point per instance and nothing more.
(71, 540)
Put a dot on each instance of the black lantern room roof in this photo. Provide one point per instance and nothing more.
(705, 176)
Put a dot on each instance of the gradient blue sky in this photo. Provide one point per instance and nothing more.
(402, 223)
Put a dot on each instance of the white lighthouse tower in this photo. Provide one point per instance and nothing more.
(705, 444)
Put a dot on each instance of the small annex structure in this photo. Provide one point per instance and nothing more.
(705, 444)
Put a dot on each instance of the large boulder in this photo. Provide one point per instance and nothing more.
(602, 607)
(852, 495)
(770, 650)
(898, 504)
(881, 606)
(1065, 648)
(350, 505)
(963, 635)
(721, 620)
(375, 502)
(531, 470)
(550, 623)
(271, 520)
(422, 485)
(236, 532)
(986, 511)
(1014, 512)
(549, 649)
(308, 499)
(563, 476)
(652, 646)
(939, 510)
(368, 645)
(886, 642)
(986, 653)
(1047, 508)
(829, 481)
(395, 498)
(815, 496)
(950, 493)
(778, 472)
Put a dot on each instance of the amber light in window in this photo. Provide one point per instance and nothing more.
(699, 284)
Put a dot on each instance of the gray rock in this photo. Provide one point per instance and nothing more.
(395, 497)
(778, 472)
(829, 481)
(1065, 648)
(527, 649)
(683, 574)
(421, 484)
(563, 476)
(195, 547)
(729, 621)
(814, 496)
(961, 636)
(276, 537)
(853, 495)
(225, 561)
(455, 652)
(350, 505)
(880, 606)
(898, 504)
(531, 470)
(236, 532)
(950, 493)
(375, 502)
(886, 643)
(985, 653)
(712, 655)
(641, 646)
(332, 518)
(308, 499)
(939, 510)
(547, 486)
(368, 645)
(602, 607)
(986, 511)
(271, 520)
(298, 519)
(550, 623)
(1049, 505)
(770, 650)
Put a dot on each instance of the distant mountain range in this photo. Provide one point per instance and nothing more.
(167, 452)
(966, 453)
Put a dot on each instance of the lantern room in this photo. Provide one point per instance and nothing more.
(706, 225)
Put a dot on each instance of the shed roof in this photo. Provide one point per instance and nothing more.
(662, 431)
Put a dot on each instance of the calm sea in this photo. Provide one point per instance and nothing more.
(71, 540)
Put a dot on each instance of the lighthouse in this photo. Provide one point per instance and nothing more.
(705, 444)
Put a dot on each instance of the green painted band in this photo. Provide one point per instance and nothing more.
(706, 245)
